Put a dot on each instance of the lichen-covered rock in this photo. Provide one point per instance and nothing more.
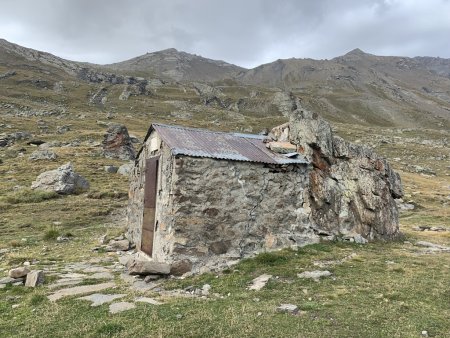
(117, 143)
(44, 154)
(351, 189)
(62, 180)
(19, 272)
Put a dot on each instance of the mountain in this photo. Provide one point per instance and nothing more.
(357, 88)
(379, 89)
(176, 65)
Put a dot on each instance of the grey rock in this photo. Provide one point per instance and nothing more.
(122, 245)
(315, 275)
(126, 169)
(95, 269)
(62, 180)
(78, 290)
(9, 280)
(142, 267)
(43, 155)
(18, 272)
(147, 300)
(34, 278)
(150, 278)
(259, 282)
(98, 299)
(205, 289)
(111, 169)
(121, 306)
(117, 143)
(61, 239)
(179, 268)
(102, 275)
(288, 308)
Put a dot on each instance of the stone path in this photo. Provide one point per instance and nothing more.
(99, 299)
(79, 290)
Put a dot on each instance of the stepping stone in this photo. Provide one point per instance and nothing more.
(79, 290)
(142, 286)
(148, 300)
(99, 299)
(64, 282)
(95, 269)
(122, 306)
(102, 275)
(259, 282)
(73, 275)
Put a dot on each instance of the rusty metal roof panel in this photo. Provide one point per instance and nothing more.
(219, 145)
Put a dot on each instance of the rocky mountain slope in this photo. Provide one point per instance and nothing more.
(176, 65)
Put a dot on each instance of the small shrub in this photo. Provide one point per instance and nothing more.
(110, 329)
(51, 233)
(270, 258)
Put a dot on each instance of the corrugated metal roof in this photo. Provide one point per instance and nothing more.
(227, 146)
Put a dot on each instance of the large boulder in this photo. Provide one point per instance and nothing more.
(62, 180)
(117, 143)
(352, 190)
(144, 267)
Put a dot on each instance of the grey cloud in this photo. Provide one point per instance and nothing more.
(247, 33)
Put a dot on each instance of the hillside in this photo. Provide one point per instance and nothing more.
(176, 65)
(392, 289)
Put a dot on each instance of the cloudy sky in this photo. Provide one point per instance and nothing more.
(243, 32)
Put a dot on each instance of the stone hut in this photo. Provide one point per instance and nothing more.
(200, 199)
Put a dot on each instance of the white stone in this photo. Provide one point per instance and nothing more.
(315, 275)
(288, 308)
(259, 282)
(99, 298)
(121, 306)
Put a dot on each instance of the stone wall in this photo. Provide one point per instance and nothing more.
(227, 210)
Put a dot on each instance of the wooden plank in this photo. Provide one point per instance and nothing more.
(150, 190)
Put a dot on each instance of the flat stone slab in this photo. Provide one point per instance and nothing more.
(142, 286)
(102, 275)
(98, 299)
(148, 300)
(121, 306)
(433, 246)
(315, 275)
(288, 308)
(79, 290)
(95, 269)
(259, 282)
(73, 275)
(64, 282)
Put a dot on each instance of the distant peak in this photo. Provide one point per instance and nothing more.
(356, 51)
(169, 50)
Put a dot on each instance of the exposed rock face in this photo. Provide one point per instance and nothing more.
(117, 143)
(62, 180)
(351, 189)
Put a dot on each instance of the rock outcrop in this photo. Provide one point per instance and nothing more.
(352, 190)
(62, 180)
(117, 143)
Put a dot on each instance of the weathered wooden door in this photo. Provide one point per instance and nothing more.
(148, 222)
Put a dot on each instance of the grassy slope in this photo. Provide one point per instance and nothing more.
(370, 296)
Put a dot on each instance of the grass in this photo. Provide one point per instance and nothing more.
(386, 290)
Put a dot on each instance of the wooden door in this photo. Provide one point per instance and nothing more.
(150, 194)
